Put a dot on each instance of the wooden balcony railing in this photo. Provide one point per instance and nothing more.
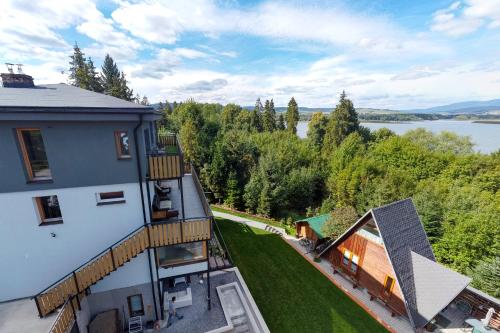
(165, 166)
(146, 237)
(67, 316)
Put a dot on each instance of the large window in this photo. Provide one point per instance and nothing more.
(135, 305)
(122, 144)
(34, 156)
(181, 253)
(48, 210)
(346, 257)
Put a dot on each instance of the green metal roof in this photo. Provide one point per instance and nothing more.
(316, 223)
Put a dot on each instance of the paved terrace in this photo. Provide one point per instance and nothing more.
(397, 324)
(192, 201)
(22, 316)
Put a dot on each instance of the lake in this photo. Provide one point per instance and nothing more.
(486, 137)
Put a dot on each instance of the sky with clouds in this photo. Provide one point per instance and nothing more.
(385, 54)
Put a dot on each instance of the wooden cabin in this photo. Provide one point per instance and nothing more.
(311, 228)
(387, 253)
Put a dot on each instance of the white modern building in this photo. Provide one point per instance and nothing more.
(101, 220)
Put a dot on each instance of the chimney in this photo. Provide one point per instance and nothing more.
(16, 80)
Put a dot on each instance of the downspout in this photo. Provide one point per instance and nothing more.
(139, 171)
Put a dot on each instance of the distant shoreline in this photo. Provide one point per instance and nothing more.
(491, 122)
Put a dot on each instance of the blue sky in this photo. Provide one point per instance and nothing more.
(385, 54)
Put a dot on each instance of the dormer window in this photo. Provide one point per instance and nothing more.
(122, 145)
(34, 155)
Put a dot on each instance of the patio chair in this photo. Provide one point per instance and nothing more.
(162, 192)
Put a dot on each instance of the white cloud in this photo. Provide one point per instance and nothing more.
(460, 19)
(165, 22)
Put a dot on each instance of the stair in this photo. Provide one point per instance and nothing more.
(145, 237)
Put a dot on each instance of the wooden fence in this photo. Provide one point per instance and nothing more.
(167, 140)
(150, 236)
(164, 167)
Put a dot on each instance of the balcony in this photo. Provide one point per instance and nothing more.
(166, 160)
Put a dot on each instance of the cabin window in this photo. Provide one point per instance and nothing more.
(347, 257)
(181, 253)
(107, 198)
(48, 210)
(34, 155)
(388, 284)
(354, 263)
(135, 305)
(122, 144)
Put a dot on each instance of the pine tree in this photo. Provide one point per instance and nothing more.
(256, 118)
(77, 69)
(233, 196)
(94, 82)
(292, 116)
(343, 121)
(114, 81)
(281, 122)
(268, 121)
(273, 113)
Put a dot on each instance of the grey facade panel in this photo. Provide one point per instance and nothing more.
(79, 154)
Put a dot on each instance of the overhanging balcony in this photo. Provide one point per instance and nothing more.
(166, 160)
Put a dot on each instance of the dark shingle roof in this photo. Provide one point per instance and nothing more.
(53, 97)
(427, 286)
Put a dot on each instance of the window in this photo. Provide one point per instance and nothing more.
(122, 144)
(181, 253)
(354, 263)
(107, 198)
(135, 305)
(346, 257)
(34, 156)
(48, 210)
(388, 284)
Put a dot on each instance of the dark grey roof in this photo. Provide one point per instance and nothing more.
(64, 98)
(435, 286)
(413, 261)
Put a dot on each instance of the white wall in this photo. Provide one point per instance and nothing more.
(31, 259)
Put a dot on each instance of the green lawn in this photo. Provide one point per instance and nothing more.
(291, 294)
(272, 222)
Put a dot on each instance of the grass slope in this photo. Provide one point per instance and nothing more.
(291, 294)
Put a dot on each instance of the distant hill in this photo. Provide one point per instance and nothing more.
(491, 107)
(328, 110)
(469, 107)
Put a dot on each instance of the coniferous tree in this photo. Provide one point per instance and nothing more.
(256, 117)
(273, 114)
(77, 69)
(114, 81)
(292, 116)
(94, 82)
(281, 122)
(268, 121)
(343, 121)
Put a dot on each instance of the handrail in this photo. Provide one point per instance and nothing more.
(201, 193)
(69, 284)
(221, 239)
(119, 241)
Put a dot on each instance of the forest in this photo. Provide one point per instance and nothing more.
(252, 160)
